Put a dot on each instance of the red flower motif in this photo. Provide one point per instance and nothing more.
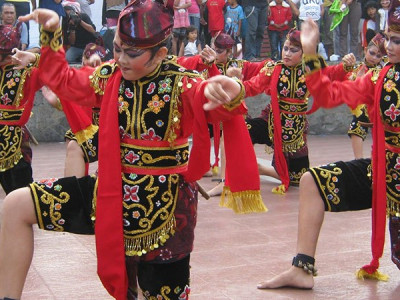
(131, 157)
(5, 99)
(151, 88)
(150, 135)
(48, 182)
(392, 112)
(130, 193)
(288, 123)
(299, 93)
(284, 91)
(397, 165)
(128, 93)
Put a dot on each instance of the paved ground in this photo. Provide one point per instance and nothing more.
(232, 252)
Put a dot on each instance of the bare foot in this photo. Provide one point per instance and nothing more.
(217, 190)
(294, 277)
(208, 174)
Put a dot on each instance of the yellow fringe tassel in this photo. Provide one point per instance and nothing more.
(362, 274)
(86, 134)
(279, 190)
(242, 202)
(215, 170)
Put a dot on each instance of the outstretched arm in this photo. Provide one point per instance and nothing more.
(66, 82)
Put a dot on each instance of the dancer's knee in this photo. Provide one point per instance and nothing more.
(18, 205)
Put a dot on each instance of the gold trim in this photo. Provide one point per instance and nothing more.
(52, 39)
(237, 101)
(242, 202)
(86, 134)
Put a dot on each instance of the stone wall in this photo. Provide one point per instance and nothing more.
(49, 125)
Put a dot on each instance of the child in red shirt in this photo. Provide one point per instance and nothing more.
(279, 17)
(215, 16)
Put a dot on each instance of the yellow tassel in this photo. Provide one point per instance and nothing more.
(362, 274)
(279, 190)
(242, 202)
(86, 134)
(215, 170)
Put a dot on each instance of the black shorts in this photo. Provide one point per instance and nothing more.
(17, 177)
(345, 186)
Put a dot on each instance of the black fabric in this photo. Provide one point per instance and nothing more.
(69, 207)
(344, 186)
(258, 130)
(154, 278)
(17, 177)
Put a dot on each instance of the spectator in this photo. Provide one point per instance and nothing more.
(383, 14)
(85, 8)
(234, 16)
(279, 17)
(181, 22)
(191, 45)
(22, 7)
(327, 34)
(111, 11)
(369, 25)
(350, 24)
(194, 14)
(215, 9)
(255, 12)
(54, 5)
(78, 31)
(309, 9)
(9, 17)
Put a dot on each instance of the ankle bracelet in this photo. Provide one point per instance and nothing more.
(305, 262)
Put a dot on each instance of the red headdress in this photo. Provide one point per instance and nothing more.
(10, 37)
(394, 16)
(145, 23)
(92, 48)
(379, 41)
(294, 37)
(224, 41)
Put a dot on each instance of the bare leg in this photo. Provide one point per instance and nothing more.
(357, 145)
(268, 171)
(16, 242)
(217, 190)
(311, 216)
(74, 161)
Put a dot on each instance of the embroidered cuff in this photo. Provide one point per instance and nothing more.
(37, 60)
(238, 99)
(52, 39)
(312, 63)
(347, 68)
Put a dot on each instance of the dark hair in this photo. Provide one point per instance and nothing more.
(190, 29)
(154, 50)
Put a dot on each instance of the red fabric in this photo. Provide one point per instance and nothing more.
(110, 247)
(362, 91)
(379, 180)
(280, 160)
(216, 19)
(240, 157)
(363, 34)
(279, 14)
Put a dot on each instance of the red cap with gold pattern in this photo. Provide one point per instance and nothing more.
(379, 41)
(145, 23)
(294, 37)
(224, 41)
(92, 48)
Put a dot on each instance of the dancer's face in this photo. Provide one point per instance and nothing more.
(372, 55)
(291, 54)
(392, 45)
(135, 63)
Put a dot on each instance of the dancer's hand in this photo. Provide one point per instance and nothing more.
(208, 54)
(309, 36)
(47, 18)
(220, 90)
(349, 60)
(21, 59)
(234, 72)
